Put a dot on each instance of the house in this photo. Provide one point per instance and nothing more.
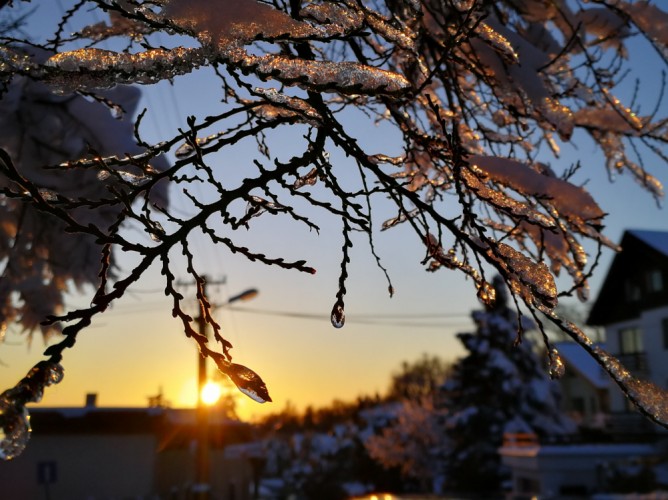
(91, 452)
(632, 306)
(584, 387)
(566, 471)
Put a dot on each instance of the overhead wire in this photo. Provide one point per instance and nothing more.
(450, 320)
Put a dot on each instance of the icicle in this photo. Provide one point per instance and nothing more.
(557, 115)
(650, 399)
(345, 77)
(557, 367)
(531, 280)
(14, 418)
(186, 149)
(300, 106)
(377, 159)
(338, 315)
(333, 16)
(399, 219)
(402, 37)
(498, 43)
(14, 62)
(93, 68)
(14, 428)
(500, 200)
(130, 178)
(246, 380)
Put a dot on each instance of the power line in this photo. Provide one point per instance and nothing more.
(368, 319)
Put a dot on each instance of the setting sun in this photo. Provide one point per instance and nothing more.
(210, 393)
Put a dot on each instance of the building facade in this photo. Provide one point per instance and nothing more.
(632, 306)
(92, 453)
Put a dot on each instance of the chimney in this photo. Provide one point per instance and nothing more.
(91, 400)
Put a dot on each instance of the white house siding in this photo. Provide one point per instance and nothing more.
(551, 471)
(651, 324)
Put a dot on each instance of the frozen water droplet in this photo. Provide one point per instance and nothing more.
(116, 111)
(557, 367)
(184, 150)
(487, 294)
(252, 394)
(155, 230)
(247, 381)
(131, 178)
(14, 428)
(55, 375)
(255, 207)
(308, 180)
(338, 315)
(48, 195)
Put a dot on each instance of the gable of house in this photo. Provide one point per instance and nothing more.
(637, 279)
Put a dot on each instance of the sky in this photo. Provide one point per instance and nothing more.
(137, 349)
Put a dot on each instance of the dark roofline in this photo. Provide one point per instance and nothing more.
(658, 240)
(611, 305)
(121, 421)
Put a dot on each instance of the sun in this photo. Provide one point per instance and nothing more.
(211, 393)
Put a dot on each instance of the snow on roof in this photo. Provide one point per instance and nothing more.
(593, 450)
(658, 240)
(579, 359)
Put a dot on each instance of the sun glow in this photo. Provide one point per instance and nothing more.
(211, 393)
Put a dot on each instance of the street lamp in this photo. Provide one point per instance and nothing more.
(205, 397)
(249, 294)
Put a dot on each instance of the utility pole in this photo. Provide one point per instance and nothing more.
(201, 489)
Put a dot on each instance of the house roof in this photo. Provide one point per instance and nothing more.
(174, 428)
(656, 239)
(628, 288)
(95, 420)
(579, 360)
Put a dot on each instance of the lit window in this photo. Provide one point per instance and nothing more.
(630, 341)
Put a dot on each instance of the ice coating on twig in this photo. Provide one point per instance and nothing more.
(569, 200)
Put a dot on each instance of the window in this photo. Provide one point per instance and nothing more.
(630, 341)
(632, 351)
(632, 291)
(47, 472)
(654, 281)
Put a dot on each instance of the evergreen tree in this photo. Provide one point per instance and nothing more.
(500, 386)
